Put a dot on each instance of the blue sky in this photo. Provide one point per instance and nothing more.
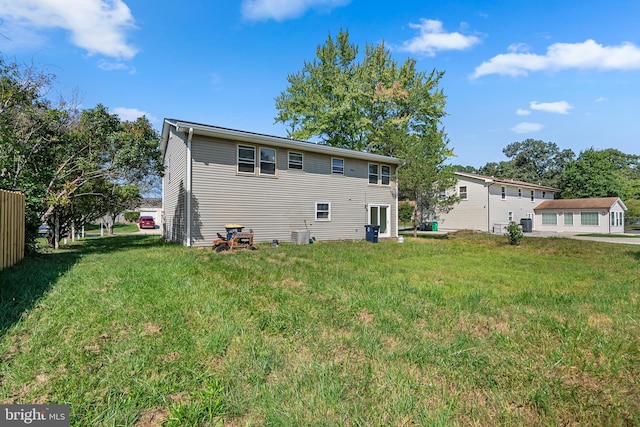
(566, 71)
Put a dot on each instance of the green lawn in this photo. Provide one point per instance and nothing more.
(118, 228)
(460, 331)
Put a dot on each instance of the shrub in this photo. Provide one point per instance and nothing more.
(405, 212)
(514, 233)
(131, 216)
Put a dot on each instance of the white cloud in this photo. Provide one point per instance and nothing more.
(132, 114)
(560, 107)
(522, 112)
(563, 56)
(115, 66)
(98, 26)
(527, 127)
(280, 10)
(433, 38)
(601, 99)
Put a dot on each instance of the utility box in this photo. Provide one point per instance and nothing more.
(300, 237)
(527, 225)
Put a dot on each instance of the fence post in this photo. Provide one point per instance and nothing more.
(12, 227)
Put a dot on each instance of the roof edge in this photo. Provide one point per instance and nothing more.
(258, 138)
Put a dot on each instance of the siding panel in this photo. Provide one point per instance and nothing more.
(273, 207)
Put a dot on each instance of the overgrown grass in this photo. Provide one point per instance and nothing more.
(462, 331)
(118, 228)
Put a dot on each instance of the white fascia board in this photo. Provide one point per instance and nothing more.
(256, 138)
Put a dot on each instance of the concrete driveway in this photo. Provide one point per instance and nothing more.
(612, 239)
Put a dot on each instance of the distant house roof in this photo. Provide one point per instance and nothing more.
(150, 202)
(258, 138)
(594, 203)
(493, 179)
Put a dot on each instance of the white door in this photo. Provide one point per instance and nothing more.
(381, 215)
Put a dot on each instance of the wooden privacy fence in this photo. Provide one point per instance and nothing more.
(11, 228)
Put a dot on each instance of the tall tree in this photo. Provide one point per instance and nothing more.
(592, 174)
(53, 154)
(375, 105)
(532, 161)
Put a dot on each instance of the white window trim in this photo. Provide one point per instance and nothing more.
(590, 225)
(301, 169)
(275, 162)
(568, 215)
(246, 162)
(382, 175)
(388, 222)
(333, 172)
(370, 175)
(328, 219)
(466, 193)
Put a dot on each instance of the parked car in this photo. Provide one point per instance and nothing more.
(44, 229)
(146, 222)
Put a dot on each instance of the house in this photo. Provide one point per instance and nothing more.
(597, 215)
(489, 204)
(272, 185)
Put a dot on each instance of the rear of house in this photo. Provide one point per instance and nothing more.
(273, 185)
(598, 215)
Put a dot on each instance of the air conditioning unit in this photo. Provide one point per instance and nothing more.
(300, 237)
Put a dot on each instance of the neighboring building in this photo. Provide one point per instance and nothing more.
(598, 215)
(489, 204)
(149, 206)
(273, 185)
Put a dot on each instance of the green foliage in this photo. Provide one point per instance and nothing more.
(132, 216)
(592, 174)
(374, 105)
(72, 165)
(532, 161)
(405, 212)
(514, 233)
(632, 215)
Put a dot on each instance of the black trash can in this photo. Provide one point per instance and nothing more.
(527, 225)
(372, 232)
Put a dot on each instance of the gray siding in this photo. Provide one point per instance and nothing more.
(485, 206)
(275, 206)
(174, 189)
(470, 214)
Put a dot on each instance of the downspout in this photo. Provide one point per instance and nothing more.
(403, 163)
(188, 187)
(489, 208)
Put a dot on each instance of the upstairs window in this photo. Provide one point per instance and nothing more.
(503, 192)
(462, 192)
(519, 192)
(385, 175)
(295, 160)
(533, 195)
(267, 161)
(373, 173)
(246, 159)
(337, 166)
